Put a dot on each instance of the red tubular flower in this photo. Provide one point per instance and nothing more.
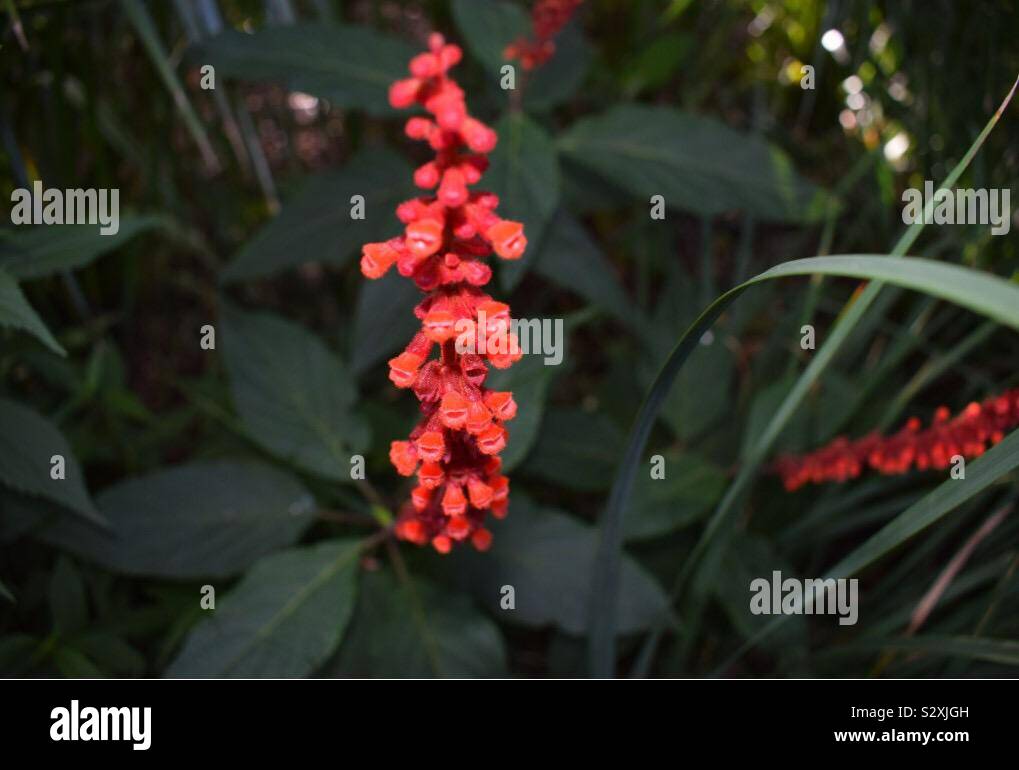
(547, 19)
(968, 435)
(447, 235)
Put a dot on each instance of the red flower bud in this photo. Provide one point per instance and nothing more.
(431, 446)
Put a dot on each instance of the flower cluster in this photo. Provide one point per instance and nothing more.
(447, 234)
(548, 18)
(967, 435)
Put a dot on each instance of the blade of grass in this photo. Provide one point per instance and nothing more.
(602, 641)
(146, 30)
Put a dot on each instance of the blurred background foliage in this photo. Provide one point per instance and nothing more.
(230, 467)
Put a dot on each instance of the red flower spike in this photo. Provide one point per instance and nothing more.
(446, 239)
(548, 18)
(969, 435)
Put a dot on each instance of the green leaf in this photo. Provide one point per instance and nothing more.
(67, 597)
(293, 394)
(284, 618)
(488, 27)
(349, 65)
(750, 557)
(144, 26)
(654, 65)
(41, 250)
(558, 79)
(528, 380)
(384, 321)
(576, 449)
(698, 164)
(524, 173)
(201, 519)
(691, 486)
(573, 260)
(548, 559)
(417, 630)
(981, 292)
(72, 663)
(16, 313)
(702, 395)
(28, 443)
(316, 224)
(766, 401)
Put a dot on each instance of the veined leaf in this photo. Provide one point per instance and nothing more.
(488, 27)
(349, 65)
(697, 163)
(201, 519)
(573, 260)
(690, 488)
(284, 618)
(524, 173)
(417, 630)
(42, 250)
(294, 395)
(316, 224)
(548, 558)
(575, 449)
(528, 380)
(16, 313)
(28, 444)
(384, 321)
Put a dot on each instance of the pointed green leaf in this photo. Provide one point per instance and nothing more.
(41, 250)
(16, 313)
(350, 65)
(316, 226)
(698, 164)
(524, 173)
(293, 394)
(417, 630)
(284, 618)
(28, 444)
(200, 519)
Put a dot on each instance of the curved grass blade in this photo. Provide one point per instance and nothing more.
(146, 30)
(981, 292)
(602, 640)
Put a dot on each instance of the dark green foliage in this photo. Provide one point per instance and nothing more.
(208, 521)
